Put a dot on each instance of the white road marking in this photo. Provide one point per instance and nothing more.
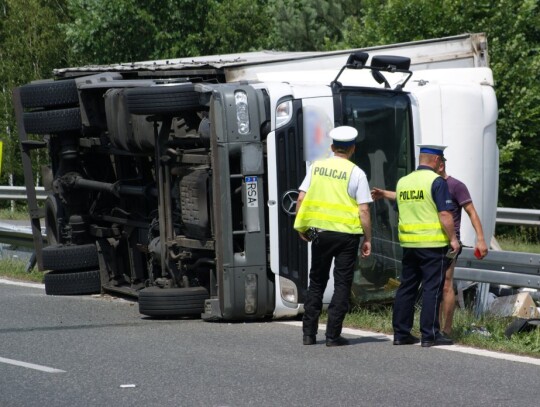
(453, 348)
(31, 365)
(22, 284)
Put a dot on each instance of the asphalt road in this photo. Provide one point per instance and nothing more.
(102, 352)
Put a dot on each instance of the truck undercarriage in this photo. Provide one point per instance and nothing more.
(138, 174)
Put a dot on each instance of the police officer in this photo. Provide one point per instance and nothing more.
(426, 230)
(333, 213)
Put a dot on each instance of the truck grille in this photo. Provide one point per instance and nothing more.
(291, 171)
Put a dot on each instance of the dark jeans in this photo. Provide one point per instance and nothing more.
(420, 265)
(343, 248)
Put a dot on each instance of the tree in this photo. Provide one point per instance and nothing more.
(107, 32)
(309, 25)
(234, 26)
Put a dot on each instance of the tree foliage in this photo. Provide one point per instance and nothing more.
(234, 26)
(106, 32)
(39, 35)
(309, 25)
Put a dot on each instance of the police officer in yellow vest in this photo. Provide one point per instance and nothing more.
(427, 235)
(333, 213)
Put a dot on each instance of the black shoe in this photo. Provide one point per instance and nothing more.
(408, 340)
(440, 340)
(309, 340)
(339, 341)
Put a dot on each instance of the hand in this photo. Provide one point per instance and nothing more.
(377, 193)
(303, 237)
(454, 244)
(366, 249)
(482, 248)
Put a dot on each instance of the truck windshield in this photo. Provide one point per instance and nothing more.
(384, 151)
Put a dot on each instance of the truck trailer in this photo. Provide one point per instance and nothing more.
(175, 181)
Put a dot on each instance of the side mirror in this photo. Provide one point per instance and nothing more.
(379, 63)
(357, 60)
(391, 63)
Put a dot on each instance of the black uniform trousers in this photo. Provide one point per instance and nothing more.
(343, 248)
(427, 266)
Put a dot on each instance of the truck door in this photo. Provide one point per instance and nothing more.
(385, 151)
(300, 136)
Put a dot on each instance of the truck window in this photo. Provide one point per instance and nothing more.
(384, 151)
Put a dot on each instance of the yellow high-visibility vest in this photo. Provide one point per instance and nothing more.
(327, 204)
(419, 224)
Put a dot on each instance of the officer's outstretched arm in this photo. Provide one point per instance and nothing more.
(377, 193)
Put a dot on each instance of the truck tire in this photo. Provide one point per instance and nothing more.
(180, 302)
(72, 282)
(70, 257)
(162, 99)
(50, 94)
(52, 121)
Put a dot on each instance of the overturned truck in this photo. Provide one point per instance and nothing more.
(176, 181)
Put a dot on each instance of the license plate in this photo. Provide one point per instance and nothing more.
(252, 192)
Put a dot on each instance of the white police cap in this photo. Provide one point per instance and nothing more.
(432, 149)
(343, 135)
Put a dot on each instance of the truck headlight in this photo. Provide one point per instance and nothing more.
(250, 290)
(242, 111)
(289, 291)
(283, 113)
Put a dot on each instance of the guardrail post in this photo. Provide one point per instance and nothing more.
(481, 303)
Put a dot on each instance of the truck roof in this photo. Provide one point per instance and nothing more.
(465, 50)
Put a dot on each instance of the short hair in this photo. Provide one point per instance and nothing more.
(342, 149)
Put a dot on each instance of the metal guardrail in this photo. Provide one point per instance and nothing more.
(17, 235)
(505, 216)
(515, 216)
(508, 268)
(19, 193)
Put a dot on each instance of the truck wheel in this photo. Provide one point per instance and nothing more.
(49, 94)
(72, 282)
(162, 99)
(53, 213)
(71, 257)
(156, 302)
(52, 121)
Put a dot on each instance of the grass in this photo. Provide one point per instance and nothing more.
(7, 214)
(16, 270)
(484, 333)
(519, 238)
